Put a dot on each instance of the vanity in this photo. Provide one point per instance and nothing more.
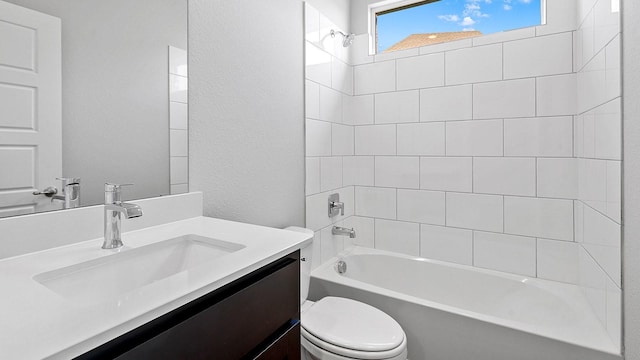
(182, 286)
(254, 317)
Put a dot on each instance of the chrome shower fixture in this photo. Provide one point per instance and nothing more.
(347, 38)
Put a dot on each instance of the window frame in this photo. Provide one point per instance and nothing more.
(389, 6)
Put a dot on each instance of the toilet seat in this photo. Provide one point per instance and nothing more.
(325, 348)
(352, 329)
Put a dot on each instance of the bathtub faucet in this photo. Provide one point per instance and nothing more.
(338, 230)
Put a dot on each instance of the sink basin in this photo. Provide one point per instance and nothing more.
(120, 273)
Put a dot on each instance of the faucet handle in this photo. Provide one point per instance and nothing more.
(112, 192)
(335, 206)
(69, 181)
(114, 186)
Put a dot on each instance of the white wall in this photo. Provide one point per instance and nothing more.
(246, 130)
(339, 11)
(560, 16)
(500, 152)
(179, 120)
(598, 149)
(631, 177)
(115, 110)
(329, 131)
(461, 141)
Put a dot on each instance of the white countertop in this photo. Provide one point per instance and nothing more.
(38, 323)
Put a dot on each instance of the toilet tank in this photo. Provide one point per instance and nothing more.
(305, 264)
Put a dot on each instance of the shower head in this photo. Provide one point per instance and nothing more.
(347, 39)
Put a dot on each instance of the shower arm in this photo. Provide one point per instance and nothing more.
(333, 33)
(347, 39)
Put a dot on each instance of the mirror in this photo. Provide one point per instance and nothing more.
(123, 100)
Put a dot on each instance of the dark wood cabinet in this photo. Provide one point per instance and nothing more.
(254, 317)
(286, 347)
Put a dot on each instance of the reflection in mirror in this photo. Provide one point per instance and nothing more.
(94, 90)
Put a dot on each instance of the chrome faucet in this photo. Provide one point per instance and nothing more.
(339, 230)
(70, 193)
(114, 208)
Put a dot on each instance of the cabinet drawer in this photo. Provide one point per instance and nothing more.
(226, 324)
(286, 347)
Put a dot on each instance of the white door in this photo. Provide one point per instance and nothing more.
(30, 108)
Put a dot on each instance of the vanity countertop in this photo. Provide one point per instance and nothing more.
(38, 323)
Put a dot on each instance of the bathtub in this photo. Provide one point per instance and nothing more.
(456, 312)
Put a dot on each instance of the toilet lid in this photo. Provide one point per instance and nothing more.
(351, 324)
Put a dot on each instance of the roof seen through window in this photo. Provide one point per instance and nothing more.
(447, 20)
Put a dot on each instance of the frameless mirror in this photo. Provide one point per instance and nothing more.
(91, 90)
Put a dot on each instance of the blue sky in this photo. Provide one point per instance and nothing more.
(487, 16)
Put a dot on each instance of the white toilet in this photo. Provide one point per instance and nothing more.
(336, 328)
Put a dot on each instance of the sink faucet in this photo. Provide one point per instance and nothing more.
(338, 230)
(70, 193)
(114, 208)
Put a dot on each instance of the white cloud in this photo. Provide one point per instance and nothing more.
(467, 21)
(472, 8)
(468, 29)
(507, 7)
(525, 1)
(451, 18)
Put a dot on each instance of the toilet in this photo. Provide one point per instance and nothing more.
(335, 328)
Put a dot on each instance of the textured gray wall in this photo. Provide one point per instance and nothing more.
(631, 177)
(246, 118)
(115, 90)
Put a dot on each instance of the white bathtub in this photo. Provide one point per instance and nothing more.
(464, 313)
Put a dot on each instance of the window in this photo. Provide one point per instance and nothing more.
(397, 25)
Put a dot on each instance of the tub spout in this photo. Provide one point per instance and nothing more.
(338, 230)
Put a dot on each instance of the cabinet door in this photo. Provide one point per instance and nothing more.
(287, 347)
(232, 327)
(240, 319)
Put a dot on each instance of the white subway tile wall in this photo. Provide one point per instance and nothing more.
(375, 140)
(375, 78)
(446, 103)
(446, 244)
(420, 72)
(506, 176)
(397, 172)
(446, 173)
(597, 149)
(558, 260)
(514, 254)
(341, 139)
(556, 95)
(398, 236)
(539, 137)
(539, 56)
(475, 211)
(504, 99)
(421, 139)
(178, 121)
(397, 107)
(421, 206)
(473, 65)
(331, 110)
(475, 138)
(501, 151)
(358, 170)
